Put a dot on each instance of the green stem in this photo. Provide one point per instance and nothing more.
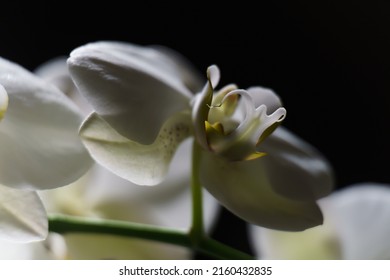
(197, 230)
(70, 224)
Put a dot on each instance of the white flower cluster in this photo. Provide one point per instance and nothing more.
(141, 110)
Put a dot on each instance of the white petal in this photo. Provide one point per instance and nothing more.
(243, 188)
(39, 142)
(128, 87)
(168, 204)
(201, 105)
(294, 168)
(55, 72)
(360, 216)
(48, 249)
(3, 102)
(105, 195)
(213, 75)
(265, 96)
(21, 251)
(140, 164)
(317, 243)
(22, 216)
(242, 142)
(356, 226)
(176, 63)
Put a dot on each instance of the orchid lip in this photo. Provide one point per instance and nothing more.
(241, 142)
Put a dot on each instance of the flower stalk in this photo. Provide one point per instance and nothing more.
(67, 224)
(197, 228)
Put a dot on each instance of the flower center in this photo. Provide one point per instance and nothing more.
(230, 122)
(235, 127)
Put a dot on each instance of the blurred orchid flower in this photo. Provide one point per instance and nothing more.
(101, 194)
(356, 226)
(39, 149)
(147, 100)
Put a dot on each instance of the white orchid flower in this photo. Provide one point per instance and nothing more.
(148, 100)
(39, 149)
(356, 226)
(101, 194)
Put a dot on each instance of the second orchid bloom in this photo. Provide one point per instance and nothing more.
(148, 100)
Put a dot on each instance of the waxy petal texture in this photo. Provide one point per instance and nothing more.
(133, 89)
(140, 164)
(22, 216)
(39, 143)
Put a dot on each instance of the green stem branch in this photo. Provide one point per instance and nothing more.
(69, 224)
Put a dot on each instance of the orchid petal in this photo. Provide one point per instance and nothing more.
(51, 248)
(174, 62)
(360, 217)
(306, 173)
(3, 102)
(202, 103)
(317, 243)
(355, 227)
(167, 205)
(22, 216)
(39, 143)
(243, 188)
(102, 194)
(55, 72)
(128, 87)
(241, 142)
(265, 96)
(140, 164)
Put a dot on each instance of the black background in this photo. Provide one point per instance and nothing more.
(328, 60)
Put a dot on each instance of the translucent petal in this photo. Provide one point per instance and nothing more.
(294, 168)
(244, 189)
(22, 216)
(140, 164)
(39, 143)
(129, 87)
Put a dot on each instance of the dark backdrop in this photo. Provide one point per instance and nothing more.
(328, 61)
